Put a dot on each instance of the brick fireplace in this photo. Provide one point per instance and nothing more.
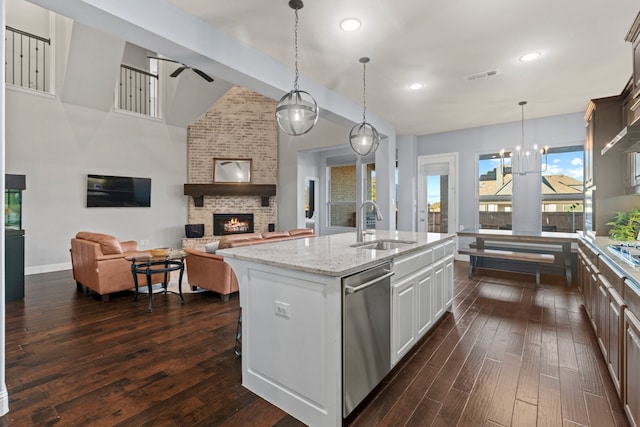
(240, 125)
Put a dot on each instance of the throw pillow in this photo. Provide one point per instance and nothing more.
(211, 248)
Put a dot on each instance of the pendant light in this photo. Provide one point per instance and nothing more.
(523, 161)
(364, 138)
(297, 111)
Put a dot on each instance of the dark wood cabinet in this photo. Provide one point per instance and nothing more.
(631, 384)
(588, 282)
(610, 320)
(616, 327)
(603, 174)
(602, 329)
(612, 303)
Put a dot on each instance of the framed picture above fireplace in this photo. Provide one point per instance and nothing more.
(231, 170)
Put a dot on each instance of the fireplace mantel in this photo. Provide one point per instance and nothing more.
(198, 191)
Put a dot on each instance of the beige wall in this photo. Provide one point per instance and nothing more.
(241, 124)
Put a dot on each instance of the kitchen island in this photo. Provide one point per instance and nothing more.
(292, 300)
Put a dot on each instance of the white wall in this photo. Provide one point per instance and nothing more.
(407, 175)
(27, 17)
(324, 135)
(556, 131)
(56, 145)
(309, 167)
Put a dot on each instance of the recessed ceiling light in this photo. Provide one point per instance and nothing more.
(350, 24)
(529, 56)
(416, 86)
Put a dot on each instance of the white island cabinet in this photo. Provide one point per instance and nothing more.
(291, 296)
(422, 289)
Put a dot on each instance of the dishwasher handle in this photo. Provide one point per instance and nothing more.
(354, 289)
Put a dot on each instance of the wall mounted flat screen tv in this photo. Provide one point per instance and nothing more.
(104, 191)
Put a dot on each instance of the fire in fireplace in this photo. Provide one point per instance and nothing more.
(232, 224)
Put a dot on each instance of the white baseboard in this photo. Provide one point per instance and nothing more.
(47, 268)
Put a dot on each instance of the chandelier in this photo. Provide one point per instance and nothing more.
(525, 161)
(297, 111)
(364, 138)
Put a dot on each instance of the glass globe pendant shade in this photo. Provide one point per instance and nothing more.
(364, 139)
(297, 112)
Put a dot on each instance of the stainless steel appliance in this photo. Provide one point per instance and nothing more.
(627, 252)
(366, 333)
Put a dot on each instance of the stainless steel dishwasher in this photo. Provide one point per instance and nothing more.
(366, 333)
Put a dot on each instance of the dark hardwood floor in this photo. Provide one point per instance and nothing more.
(508, 354)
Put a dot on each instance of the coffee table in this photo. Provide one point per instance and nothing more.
(147, 264)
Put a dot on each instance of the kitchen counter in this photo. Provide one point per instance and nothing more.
(332, 255)
(601, 243)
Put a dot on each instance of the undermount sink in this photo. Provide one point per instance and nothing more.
(383, 244)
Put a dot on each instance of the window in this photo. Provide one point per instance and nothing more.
(562, 190)
(370, 194)
(342, 196)
(494, 192)
(342, 193)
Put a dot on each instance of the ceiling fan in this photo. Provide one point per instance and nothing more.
(183, 67)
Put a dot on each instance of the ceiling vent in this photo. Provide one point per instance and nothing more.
(482, 75)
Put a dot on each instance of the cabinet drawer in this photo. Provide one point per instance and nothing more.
(589, 253)
(438, 252)
(411, 263)
(615, 279)
(631, 297)
(449, 247)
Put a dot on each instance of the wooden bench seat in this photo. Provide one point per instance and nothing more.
(537, 258)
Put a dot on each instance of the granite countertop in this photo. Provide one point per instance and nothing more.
(601, 243)
(332, 255)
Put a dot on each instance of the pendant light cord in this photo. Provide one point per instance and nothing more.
(522, 104)
(364, 92)
(295, 43)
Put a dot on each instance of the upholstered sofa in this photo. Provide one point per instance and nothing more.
(237, 240)
(209, 271)
(99, 263)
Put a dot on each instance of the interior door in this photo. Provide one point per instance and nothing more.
(437, 204)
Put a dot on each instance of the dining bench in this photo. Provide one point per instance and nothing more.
(537, 258)
(551, 250)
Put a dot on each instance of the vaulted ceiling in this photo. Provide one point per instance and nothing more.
(438, 43)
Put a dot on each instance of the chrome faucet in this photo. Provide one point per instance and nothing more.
(360, 219)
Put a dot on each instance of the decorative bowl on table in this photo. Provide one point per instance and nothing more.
(160, 251)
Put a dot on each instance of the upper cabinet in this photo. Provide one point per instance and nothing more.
(603, 174)
(627, 139)
(632, 36)
(612, 146)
